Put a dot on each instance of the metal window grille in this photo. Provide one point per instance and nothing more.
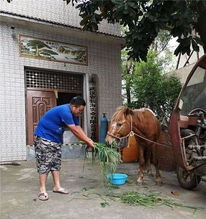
(53, 80)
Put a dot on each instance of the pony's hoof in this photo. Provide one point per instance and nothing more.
(140, 182)
(150, 174)
(158, 182)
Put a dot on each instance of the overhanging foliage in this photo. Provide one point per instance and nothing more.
(144, 19)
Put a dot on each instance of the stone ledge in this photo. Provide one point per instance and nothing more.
(69, 151)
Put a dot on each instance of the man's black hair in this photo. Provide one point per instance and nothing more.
(78, 101)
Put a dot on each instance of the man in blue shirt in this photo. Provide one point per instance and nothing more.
(49, 138)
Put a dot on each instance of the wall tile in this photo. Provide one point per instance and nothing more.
(103, 61)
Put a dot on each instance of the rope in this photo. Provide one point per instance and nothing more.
(79, 143)
(146, 139)
(131, 133)
(131, 122)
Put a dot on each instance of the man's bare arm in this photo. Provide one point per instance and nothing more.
(79, 133)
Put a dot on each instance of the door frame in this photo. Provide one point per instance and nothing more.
(46, 90)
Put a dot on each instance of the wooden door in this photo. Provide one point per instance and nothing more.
(38, 102)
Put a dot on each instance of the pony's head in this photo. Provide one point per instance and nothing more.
(120, 125)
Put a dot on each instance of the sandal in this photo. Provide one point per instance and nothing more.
(43, 196)
(61, 191)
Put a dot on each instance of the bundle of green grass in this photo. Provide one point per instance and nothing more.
(108, 157)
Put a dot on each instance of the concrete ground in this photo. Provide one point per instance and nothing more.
(87, 198)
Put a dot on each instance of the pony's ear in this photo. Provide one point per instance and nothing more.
(128, 111)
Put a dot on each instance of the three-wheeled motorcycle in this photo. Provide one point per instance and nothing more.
(187, 130)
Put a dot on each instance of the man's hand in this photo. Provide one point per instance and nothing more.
(90, 143)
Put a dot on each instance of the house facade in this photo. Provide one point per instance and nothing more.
(185, 63)
(45, 60)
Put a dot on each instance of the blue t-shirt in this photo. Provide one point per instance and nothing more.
(52, 124)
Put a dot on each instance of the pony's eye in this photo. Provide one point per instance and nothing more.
(119, 124)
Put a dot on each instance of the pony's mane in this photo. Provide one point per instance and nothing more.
(121, 111)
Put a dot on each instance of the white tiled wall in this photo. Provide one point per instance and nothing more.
(53, 10)
(104, 58)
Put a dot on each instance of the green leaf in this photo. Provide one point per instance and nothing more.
(195, 46)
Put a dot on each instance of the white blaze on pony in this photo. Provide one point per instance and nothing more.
(144, 123)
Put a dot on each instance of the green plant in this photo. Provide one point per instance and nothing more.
(151, 199)
(150, 88)
(108, 157)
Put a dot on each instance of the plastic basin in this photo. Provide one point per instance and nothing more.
(117, 178)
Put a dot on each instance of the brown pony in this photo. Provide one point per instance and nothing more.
(143, 123)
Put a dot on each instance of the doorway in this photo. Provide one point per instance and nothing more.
(64, 98)
(46, 89)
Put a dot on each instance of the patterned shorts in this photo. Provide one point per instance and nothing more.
(48, 155)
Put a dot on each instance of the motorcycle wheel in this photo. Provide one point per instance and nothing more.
(187, 179)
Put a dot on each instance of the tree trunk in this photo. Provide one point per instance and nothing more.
(128, 90)
(128, 95)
